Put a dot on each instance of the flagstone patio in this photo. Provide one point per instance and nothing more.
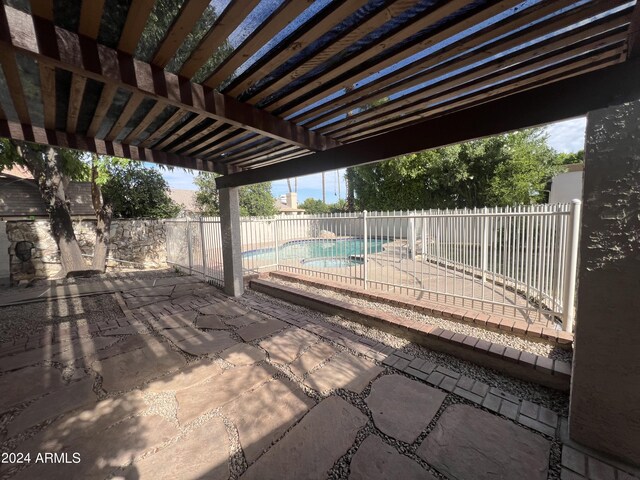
(192, 384)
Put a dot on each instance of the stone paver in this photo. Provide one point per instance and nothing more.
(468, 443)
(311, 448)
(60, 352)
(151, 291)
(186, 377)
(63, 400)
(243, 354)
(179, 334)
(343, 371)
(28, 383)
(260, 329)
(244, 320)
(199, 399)
(137, 328)
(130, 369)
(179, 320)
(213, 322)
(138, 302)
(206, 343)
(403, 408)
(224, 309)
(375, 460)
(286, 346)
(204, 453)
(258, 426)
(125, 440)
(310, 359)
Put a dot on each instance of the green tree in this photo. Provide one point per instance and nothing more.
(569, 158)
(503, 170)
(314, 206)
(135, 191)
(255, 200)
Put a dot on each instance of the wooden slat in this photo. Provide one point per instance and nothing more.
(224, 25)
(554, 50)
(144, 123)
(460, 97)
(30, 133)
(189, 14)
(211, 143)
(278, 20)
(371, 24)
(42, 8)
(106, 98)
(327, 84)
(276, 156)
(493, 36)
(137, 17)
(488, 97)
(550, 103)
(14, 85)
(197, 136)
(68, 51)
(232, 144)
(134, 102)
(338, 13)
(162, 130)
(76, 93)
(48, 95)
(90, 16)
(633, 49)
(246, 152)
(188, 125)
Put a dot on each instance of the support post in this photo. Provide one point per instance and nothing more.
(231, 241)
(571, 267)
(604, 412)
(275, 237)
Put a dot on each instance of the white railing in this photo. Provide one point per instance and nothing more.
(518, 262)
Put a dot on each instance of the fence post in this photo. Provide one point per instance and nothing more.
(189, 246)
(275, 236)
(411, 236)
(571, 266)
(485, 244)
(366, 246)
(204, 254)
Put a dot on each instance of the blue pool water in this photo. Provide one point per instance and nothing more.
(325, 253)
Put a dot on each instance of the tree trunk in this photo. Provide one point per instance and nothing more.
(45, 164)
(104, 213)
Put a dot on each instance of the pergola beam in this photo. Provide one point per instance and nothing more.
(28, 133)
(564, 99)
(41, 39)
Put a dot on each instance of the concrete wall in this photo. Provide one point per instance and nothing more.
(4, 255)
(605, 395)
(135, 244)
(566, 187)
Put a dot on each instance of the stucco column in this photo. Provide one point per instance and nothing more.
(605, 391)
(231, 245)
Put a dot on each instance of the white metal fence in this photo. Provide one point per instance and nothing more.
(519, 261)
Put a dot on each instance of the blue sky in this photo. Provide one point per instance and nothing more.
(566, 136)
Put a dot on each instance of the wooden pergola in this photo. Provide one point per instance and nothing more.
(264, 90)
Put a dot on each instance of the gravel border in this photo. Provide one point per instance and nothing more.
(540, 347)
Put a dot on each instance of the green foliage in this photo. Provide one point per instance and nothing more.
(313, 206)
(503, 170)
(569, 158)
(72, 164)
(136, 191)
(255, 200)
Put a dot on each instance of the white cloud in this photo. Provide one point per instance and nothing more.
(567, 136)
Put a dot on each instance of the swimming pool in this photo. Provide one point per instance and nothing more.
(322, 253)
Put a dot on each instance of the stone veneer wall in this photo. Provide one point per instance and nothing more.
(135, 244)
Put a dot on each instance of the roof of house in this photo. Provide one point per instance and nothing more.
(281, 207)
(20, 197)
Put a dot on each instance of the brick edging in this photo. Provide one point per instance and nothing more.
(557, 338)
(527, 366)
